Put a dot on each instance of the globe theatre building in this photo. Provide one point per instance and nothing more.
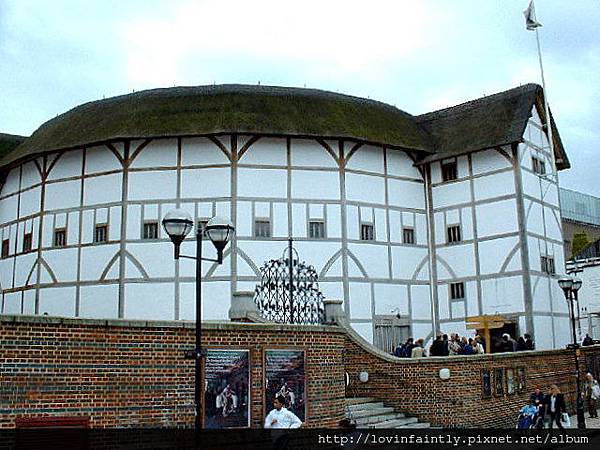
(416, 222)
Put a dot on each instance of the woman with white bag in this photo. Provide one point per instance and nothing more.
(592, 394)
(555, 406)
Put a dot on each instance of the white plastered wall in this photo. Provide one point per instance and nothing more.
(544, 235)
(287, 181)
(487, 260)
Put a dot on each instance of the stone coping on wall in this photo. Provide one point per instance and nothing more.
(369, 348)
(227, 325)
(207, 325)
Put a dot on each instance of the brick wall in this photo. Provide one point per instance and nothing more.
(414, 385)
(132, 374)
(129, 373)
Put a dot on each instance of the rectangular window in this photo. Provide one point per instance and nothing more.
(27, 242)
(449, 171)
(5, 248)
(457, 291)
(547, 263)
(262, 228)
(101, 233)
(539, 166)
(408, 235)
(367, 232)
(453, 234)
(150, 230)
(316, 229)
(60, 237)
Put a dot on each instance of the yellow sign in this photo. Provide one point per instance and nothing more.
(475, 326)
(485, 323)
(485, 318)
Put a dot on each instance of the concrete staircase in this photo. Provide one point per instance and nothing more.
(371, 413)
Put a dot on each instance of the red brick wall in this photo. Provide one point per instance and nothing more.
(122, 373)
(414, 385)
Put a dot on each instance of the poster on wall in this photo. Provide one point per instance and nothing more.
(284, 375)
(522, 380)
(498, 382)
(486, 383)
(510, 381)
(226, 394)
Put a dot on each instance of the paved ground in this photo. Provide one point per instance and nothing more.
(589, 423)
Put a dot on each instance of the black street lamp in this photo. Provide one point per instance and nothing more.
(177, 224)
(570, 286)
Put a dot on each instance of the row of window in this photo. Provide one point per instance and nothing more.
(262, 229)
(457, 290)
(450, 172)
(59, 239)
(316, 230)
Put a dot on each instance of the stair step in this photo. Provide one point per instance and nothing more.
(366, 406)
(359, 400)
(379, 418)
(417, 425)
(368, 412)
(395, 423)
(359, 413)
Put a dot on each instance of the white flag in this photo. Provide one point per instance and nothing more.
(530, 21)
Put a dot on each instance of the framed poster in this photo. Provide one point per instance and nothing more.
(284, 375)
(522, 375)
(510, 381)
(486, 383)
(498, 382)
(226, 389)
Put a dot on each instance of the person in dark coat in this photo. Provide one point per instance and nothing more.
(445, 350)
(437, 347)
(555, 406)
(587, 340)
(537, 397)
(408, 346)
(507, 343)
(398, 350)
(529, 344)
(521, 346)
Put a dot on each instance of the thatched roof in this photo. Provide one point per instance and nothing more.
(8, 142)
(487, 122)
(203, 110)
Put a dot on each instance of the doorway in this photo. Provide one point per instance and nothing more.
(510, 327)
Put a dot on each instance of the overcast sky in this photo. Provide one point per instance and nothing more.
(416, 55)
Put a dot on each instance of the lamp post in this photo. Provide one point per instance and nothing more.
(177, 224)
(576, 286)
(570, 286)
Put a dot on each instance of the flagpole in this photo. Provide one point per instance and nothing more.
(546, 107)
(532, 24)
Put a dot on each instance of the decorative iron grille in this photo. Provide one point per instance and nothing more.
(289, 293)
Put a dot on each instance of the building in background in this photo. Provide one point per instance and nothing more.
(416, 222)
(586, 266)
(581, 216)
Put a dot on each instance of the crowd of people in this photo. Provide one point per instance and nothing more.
(443, 345)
